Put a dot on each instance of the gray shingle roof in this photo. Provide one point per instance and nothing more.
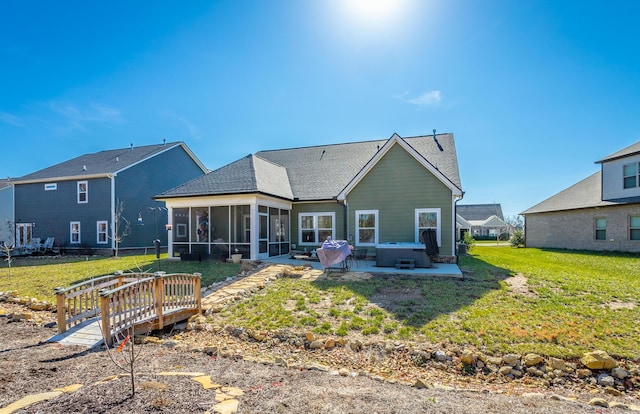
(584, 194)
(479, 211)
(247, 175)
(99, 163)
(4, 183)
(318, 172)
(625, 152)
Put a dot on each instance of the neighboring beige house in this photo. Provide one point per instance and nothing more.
(601, 212)
(481, 220)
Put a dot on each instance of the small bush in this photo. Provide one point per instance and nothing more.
(517, 239)
(469, 241)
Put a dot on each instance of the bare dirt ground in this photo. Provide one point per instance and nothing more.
(30, 366)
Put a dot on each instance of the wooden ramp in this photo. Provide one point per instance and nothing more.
(87, 334)
(115, 303)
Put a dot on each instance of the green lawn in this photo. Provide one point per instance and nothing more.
(576, 301)
(37, 277)
(569, 309)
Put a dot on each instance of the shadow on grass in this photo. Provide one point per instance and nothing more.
(416, 300)
(623, 255)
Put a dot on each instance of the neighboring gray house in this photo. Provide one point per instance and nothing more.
(6, 211)
(482, 220)
(601, 212)
(272, 202)
(75, 201)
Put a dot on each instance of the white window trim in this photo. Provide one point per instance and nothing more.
(71, 233)
(632, 228)
(376, 227)
(315, 227)
(106, 232)
(85, 192)
(438, 212)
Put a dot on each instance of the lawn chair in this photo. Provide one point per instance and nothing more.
(34, 246)
(47, 246)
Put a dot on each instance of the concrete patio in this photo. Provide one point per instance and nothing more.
(369, 266)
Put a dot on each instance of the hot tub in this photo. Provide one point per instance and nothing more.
(387, 254)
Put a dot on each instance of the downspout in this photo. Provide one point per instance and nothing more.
(455, 221)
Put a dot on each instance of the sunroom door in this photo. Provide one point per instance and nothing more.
(263, 234)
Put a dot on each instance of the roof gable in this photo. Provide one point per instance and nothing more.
(397, 140)
(103, 163)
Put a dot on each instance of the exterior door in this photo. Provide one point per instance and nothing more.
(263, 235)
(23, 234)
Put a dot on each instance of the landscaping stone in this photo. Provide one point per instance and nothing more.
(532, 359)
(620, 373)
(511, 359)
(605, 380)
(598, 360)
(599, 402)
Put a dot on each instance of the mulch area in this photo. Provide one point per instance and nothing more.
(30, 366)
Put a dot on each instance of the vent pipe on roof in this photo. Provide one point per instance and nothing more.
(117, 159)
(84, 168)
(131, 146)
(322, 155)
(436, 141)
(164, 142)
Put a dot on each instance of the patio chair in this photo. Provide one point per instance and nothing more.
(430, 239)
(34, 246)
(47, 246)
(356, 255)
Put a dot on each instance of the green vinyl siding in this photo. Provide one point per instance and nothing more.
(319, 207)
(396, 186)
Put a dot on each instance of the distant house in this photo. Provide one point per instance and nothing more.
(6, 211)
(75, 201)
(272, 202)
(601, 212)
(482, 220)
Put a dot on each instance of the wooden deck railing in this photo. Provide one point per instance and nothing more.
(130, 301)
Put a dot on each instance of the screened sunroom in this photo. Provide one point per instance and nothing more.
(256, 228)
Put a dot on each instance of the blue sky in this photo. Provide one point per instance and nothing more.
(534, 91)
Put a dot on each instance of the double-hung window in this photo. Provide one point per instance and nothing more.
(74, 236)
(315, 228)
(601, 229)
(630, 175)
(634, 228)
(101, 230)
(428, 218)
(83, 192)
(366, 227)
